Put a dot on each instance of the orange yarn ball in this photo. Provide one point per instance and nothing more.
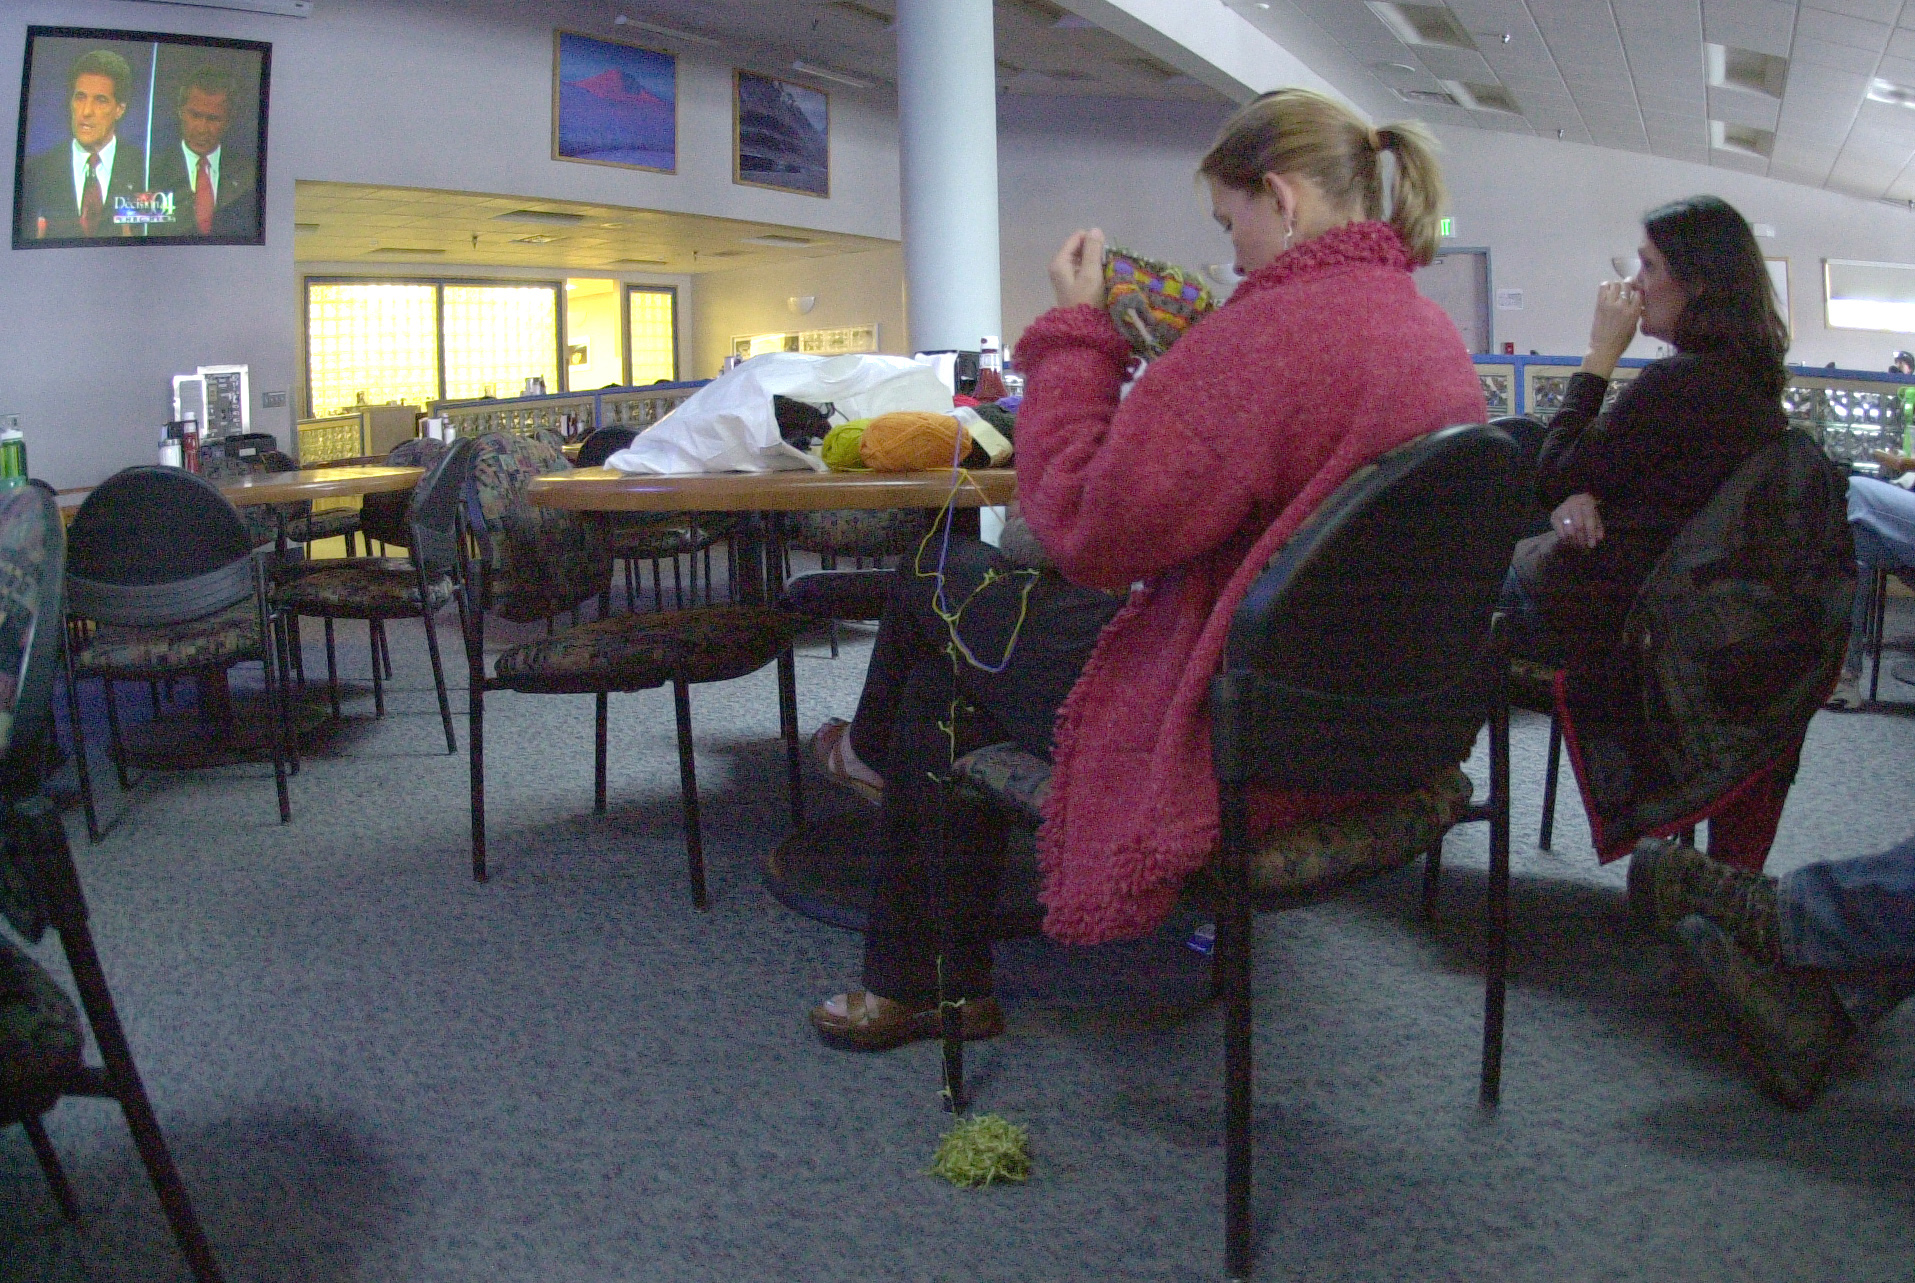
(912, 441)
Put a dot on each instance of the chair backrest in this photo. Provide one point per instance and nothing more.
(383, 516)
(155, 545)
(603, 444)
(536, 562)
(1528, 434)
(432, 516)
(32, 571)
(1359, 660)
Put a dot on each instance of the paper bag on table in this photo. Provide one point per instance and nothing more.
(729, 425)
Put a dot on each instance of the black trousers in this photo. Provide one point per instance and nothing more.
(920, 710)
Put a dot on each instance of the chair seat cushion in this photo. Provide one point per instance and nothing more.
(649, 543)
(40, 1036)
(222, 638)
(637, 652)
(1362, 842)
(840, 594)
(324, 525)
(362, 588)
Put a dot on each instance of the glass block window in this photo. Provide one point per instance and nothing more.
(498, 336)
(369, 343)
(653, 338)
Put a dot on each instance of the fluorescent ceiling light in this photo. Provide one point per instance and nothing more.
(280, 8)
(1482, 97)
(670, 33)
(401, 250)
(638, 262)
(539, 216)
(1890, 92)
(537, 238)
(1422, 24)
(1734, 68)
(305, 229)
(777, 242)
(1744, 140)
(827, 73)
(1436, 96)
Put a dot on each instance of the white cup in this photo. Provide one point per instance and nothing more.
(170, 456)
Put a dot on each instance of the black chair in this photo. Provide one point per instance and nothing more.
(41, 1031)
(375, 589)
(655, 537)
(534, 563)
(239, 457)
(164, 581)
(1364, 661)
(382, 517)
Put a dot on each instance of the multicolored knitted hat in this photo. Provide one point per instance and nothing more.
(1152, 303)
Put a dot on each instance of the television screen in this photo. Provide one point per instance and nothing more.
(133, 137)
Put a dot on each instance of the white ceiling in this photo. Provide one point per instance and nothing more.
(1633, 75)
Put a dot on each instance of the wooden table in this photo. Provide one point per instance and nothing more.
(608, 490)
(320, 483)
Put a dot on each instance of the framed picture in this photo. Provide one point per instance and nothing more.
(140, 138)
(781, 135)
(613, 104)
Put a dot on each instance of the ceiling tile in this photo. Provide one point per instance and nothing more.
(1735, 108)
(1840, 29)
(1902, 44)
(1813, 52)
(1766, 26)
(1874, 10)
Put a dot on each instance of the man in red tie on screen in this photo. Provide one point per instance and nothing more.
(69, 191)
(213, 192)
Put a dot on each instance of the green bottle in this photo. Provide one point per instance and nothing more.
(13, 459)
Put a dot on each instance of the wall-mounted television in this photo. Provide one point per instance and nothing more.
(140, 138)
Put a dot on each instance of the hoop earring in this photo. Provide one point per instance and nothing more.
(1289, 231)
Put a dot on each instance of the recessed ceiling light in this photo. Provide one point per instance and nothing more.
(1482, 97)
(670, 33)
(1744, 140)
(1426, 95)
(638, 262)
(1402, 68)
(398, 250)
(1422, 24)
(1760, 73)
(538, 239)
(828, 73)
(1888, 91)
(539, 216)
(305, 229)
(776, 241)
(611, 226)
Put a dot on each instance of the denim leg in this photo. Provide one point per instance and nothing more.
(1871, 551)
(1526, 634)
(1882, 519)
(1855, 918)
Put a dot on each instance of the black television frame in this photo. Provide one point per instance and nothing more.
(262, 48)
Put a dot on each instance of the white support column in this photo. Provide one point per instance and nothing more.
(947, 143)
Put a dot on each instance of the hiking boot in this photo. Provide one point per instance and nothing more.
(1669, 881)
(1790, 1019)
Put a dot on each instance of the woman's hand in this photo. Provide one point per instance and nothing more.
(1077, 273)
(1618, 311)
(1893, 464)
(1577, 521)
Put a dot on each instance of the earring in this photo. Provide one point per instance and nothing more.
(1289, 230)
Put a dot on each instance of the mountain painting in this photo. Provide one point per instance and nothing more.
(614, 104)
(783, 135)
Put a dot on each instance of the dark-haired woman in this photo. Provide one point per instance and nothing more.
(1622, 483)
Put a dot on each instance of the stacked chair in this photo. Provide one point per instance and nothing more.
(534, 563)
(376, 589)
(1364, 661)
(164, 581)
(42, 1032)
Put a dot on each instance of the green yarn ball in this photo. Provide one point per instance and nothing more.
(983, 1150)
(840, 448)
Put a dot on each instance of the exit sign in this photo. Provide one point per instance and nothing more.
(1446, 227)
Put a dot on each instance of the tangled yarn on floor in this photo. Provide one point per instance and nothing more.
(982, 1150)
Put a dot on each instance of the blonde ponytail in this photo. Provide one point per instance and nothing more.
(1418, 195)
(1301, 131)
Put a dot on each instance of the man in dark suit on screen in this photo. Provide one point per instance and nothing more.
(213, 189)
(69, 191)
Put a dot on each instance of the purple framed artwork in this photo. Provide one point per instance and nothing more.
(613, 104)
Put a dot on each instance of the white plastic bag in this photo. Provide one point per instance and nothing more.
(729, 425)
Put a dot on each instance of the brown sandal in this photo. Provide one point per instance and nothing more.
(872, 1023)
(828, 745)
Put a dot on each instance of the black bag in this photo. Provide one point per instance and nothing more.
(800, 421)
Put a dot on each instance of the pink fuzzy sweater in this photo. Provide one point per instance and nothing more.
(1320, 362)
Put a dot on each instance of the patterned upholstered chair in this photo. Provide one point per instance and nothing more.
(629, 652)
(303, 525)
(164, 581)
(382, 517)
(375, 589)
(42, 1035)
(1361, 663)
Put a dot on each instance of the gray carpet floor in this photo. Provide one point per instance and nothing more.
(372, 1068)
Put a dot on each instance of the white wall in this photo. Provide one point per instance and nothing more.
(850, 289)
(1554, 213)
(1127, 167)
(453, 94)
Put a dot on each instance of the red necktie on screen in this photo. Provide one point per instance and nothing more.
(203, 198)
(90, 200)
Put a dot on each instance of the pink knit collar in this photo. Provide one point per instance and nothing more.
(1351, 245)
